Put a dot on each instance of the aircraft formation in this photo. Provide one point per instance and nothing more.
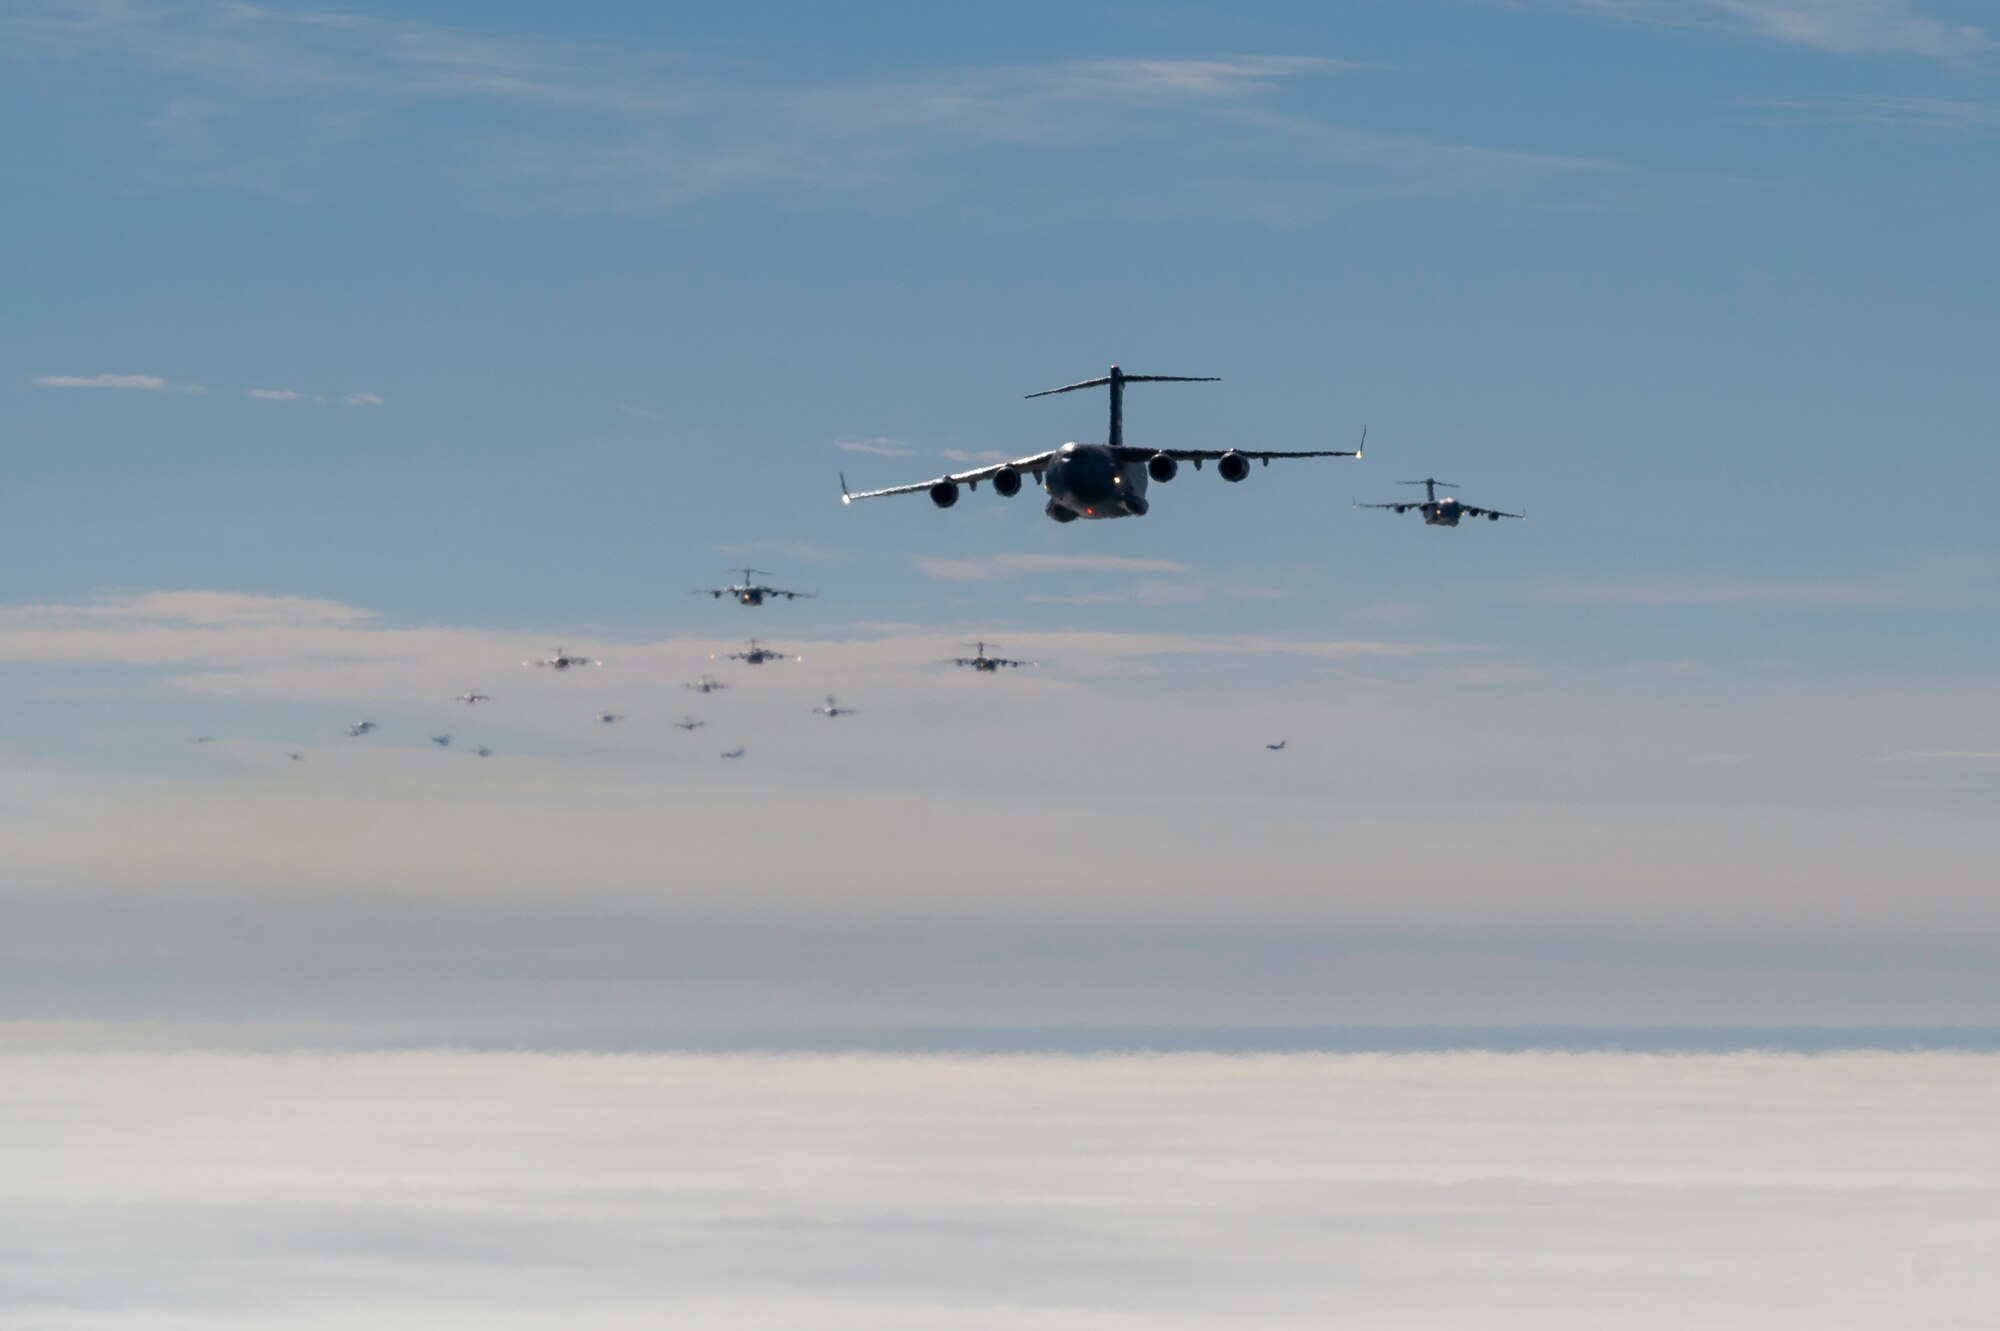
(1082, 481)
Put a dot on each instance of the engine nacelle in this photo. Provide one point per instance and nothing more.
(1233, 466)
(1161, 467)
(1493, 517)
(1007, 481)
(944, 494)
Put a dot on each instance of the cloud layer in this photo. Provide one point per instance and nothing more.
(1447, 1191)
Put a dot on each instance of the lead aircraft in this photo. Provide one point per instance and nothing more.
(748, 592)
(1098, 480)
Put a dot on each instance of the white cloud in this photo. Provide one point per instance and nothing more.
(276, 394)
(147, 383)
(362, 400)
(879, 446)
(1840, 27)
(1183, 1192)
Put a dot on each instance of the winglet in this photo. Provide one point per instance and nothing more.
(845, 497)
(1362, 447)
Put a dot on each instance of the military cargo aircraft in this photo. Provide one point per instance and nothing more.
(747, 592)
(562, 660)
(1444, 512)
(983, 663)
(1105, 480)
(758, 653)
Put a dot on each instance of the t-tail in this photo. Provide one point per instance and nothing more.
(1117, 380)
(1430, 484)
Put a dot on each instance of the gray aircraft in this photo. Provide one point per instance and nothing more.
(983, 663)
(1098, 480)
(480, 751)
(689, 724)
(360, 728)
(759, 653)
(610, 718)
(734, 753)
(562, 660)
(833, 708)
(706, 684)
(1275, 748)
(748, 592)
(474, 697)
(442, 741)
(1442, 512)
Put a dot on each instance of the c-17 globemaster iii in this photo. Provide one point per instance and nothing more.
(562, 660)
(757, 654)
(981, 662)
(1105, 480)
(747, 592)
(1444, 512)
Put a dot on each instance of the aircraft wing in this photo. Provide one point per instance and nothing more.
(1470, 511)
(1400, 508)
(1212, 454)
(1034, 465)
(1129, 453)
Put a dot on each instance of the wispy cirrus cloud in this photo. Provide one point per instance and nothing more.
(142, 383)
(1857, 27)
(1888, 591)
(1839, 27)
(1937, 114)
(1009, 566)
(247, 95)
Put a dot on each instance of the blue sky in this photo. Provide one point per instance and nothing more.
(355, 354)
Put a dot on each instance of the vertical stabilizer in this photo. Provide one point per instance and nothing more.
(1117, 380)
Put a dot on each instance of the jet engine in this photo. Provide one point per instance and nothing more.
(1233, 466)
(1493, 517)
(1161, 467)
(1006, 481)
(944, 494)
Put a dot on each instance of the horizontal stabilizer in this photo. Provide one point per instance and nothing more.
(1134, 379)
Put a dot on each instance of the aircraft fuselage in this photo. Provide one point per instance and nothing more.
(1443, 513)
(1088, 481)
